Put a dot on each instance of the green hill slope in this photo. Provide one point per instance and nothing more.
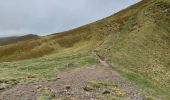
(141, 49)
(136, 41)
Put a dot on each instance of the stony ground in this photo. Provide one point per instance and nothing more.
(72, 85)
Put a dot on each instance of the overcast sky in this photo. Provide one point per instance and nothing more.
(18, 17)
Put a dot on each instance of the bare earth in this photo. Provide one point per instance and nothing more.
(76, 80)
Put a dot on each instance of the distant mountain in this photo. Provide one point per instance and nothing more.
(14, 39)
(4, 39)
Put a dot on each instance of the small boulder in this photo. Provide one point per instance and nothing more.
(106, 92)
(38, 87)
(68, 87)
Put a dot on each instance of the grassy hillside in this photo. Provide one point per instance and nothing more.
(140, 50)
(136, 41)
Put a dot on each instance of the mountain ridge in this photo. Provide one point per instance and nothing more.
(14, 39)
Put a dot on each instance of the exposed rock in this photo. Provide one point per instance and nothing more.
(68, 87)
(106, 92)
(38, 87)
(70, 65)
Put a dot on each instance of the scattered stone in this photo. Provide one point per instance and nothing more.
(87, 88)
(70, 64)
(30, 76)
(167, 10)
(106, 92)
(68, 87)
(38, 87)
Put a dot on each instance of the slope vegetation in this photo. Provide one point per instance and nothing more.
(135, 41)
(140, 50)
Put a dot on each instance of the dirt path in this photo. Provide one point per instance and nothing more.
(131, 87)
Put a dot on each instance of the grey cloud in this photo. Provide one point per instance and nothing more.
(18, 17)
